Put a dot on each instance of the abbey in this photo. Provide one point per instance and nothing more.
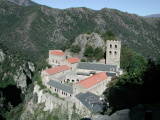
(82, 83)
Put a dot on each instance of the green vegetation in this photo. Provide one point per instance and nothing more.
(109, 35)
(42, 31)
(38, 79)
(98, 53)
(14, 113)
(93, 54)
(46, 90)
(75, 116)
(75, 48)
(137, 86)
(83, 60)
(59, 113)
(89, 52)
(27, 33)
(131, 61)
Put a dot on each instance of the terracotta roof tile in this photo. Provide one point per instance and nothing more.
(57, 69)
(93, 80)
(73, 60)
(57, 52)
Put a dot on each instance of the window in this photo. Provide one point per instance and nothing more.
(115, 53)
(77, 80)
(110, 46)
(115, 46)
(72, 80)
(110, 52)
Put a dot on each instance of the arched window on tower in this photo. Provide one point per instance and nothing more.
(110, 46)
(110, 52)
(115, 53)
(115, 46)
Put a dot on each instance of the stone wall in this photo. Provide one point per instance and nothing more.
(56, 60)
(51, 102)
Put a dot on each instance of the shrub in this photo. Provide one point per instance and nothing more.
(38, 79)
(92, 53)
(89, 52)
(75, 48)
(98, 53)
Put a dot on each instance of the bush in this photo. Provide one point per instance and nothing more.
(135, 88)
(131, 61)
(83, 60)
(92, 53)
(75, 48)
(38, 79)
(89, 52)
(98, 53)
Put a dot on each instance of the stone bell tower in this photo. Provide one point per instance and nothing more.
(113, 52)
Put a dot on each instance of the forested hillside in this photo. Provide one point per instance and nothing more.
(32, 30)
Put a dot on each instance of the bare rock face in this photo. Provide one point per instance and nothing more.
(119, 115)
(2, 56)
(93, 39)
(20, 78)
(20, 73)
(101, 117)
(23, 74)
(31, 66)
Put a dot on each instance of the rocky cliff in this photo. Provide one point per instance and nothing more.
(92, 39)
(15, 81)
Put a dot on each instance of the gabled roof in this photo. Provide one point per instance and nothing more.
(97, 66)
(93, 80)
(57, 69)
(73, 60)
(56, 52)
(91, 101)
(63, 87)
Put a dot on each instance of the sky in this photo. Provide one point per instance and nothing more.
(140, 7)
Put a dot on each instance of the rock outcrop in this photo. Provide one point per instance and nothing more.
(12, 69)
(119, 115)
(23, 75)
(2, 56)
(93, 39)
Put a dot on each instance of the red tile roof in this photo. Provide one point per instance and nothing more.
(73, 60)
(57, 52)
(93, 80)
(57, 69)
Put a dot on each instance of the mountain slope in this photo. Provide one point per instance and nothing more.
(23, 2)
(32, 31)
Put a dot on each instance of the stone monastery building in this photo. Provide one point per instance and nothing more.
(82, 82)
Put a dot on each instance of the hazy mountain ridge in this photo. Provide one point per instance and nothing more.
(153, 16)
(33, 30)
